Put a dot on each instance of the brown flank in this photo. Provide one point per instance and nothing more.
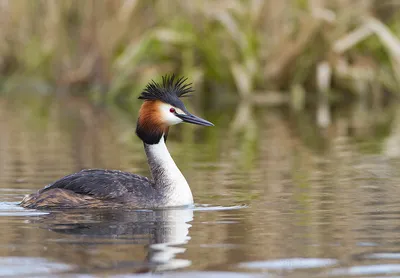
(61, 198)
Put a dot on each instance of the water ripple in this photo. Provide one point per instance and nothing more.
(289, 264)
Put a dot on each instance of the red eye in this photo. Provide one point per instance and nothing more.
(172, 110)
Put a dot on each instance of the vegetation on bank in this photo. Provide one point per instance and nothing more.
(266, 51)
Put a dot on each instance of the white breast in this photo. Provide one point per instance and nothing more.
(177, 189)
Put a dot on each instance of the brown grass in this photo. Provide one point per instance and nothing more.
(235, 48)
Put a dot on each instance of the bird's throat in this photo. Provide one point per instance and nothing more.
(168, 179)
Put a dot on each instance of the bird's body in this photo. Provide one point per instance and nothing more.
(112, 188)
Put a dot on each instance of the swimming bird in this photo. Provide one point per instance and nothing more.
(167, 187)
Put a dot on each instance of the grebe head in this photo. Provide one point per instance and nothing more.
(163, 108)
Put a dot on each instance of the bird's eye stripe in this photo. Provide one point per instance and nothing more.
(172, 110)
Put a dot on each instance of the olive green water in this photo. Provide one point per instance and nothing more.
(276, 198)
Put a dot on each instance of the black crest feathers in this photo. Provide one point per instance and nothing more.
(170, 89)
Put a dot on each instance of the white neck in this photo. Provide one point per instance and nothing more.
(167, 176)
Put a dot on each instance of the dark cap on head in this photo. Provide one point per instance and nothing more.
(155, 117)
(169, 91)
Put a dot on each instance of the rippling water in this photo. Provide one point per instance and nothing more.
(277, 197)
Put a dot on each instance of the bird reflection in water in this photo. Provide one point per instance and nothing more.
(163, 233)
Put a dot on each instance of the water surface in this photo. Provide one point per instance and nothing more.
(276, 197)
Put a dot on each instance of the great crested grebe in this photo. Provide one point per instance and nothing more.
(161, 109)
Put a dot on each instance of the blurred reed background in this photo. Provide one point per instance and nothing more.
(295, 52)
(314, 58)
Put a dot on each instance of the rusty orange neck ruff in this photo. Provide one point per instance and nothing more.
(150, 127)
